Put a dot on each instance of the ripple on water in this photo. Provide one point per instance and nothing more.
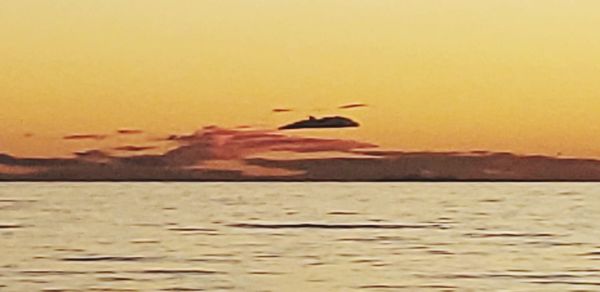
(336, 226)
(519, 275)
(395, 287)
(218, 260)
(115, 279)
(569, 193)
(102, 258)
(579, 283)
(440, 252)
(182, 289)
(180, 271)
(144, 241)
(343, 213)
(68, 249)
(508, 234)
(265, 273)
(110, 289)
(193, 230)
(11, 226)
(591, 254)
(15, 200)
(53, 272)
(491, 200)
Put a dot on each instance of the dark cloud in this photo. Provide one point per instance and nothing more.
(90, 153)
(214, 153)
(281, 110)
(85, 137)
(353, 105)
(133, 148)
(129, 131)
(189, 159)
(226, 144)
(326, 122)
(176, 137)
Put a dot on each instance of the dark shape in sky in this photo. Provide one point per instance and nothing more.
(129, 131)
(133, 148)
(282, 110)
(84, 137)
(353, 105)
(326, 122)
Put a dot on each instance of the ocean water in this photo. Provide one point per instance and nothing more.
(299, 237)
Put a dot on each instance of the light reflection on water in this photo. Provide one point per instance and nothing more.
(299, 237)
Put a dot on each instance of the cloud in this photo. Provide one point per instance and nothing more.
(326, 122)
(353, 105)
(211, 153)
(90, 153)
(85, 137)
(129, 131)
(227, 144)
(214, 153)
(281, 110)
(133, 148)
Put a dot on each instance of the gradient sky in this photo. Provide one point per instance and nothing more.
(499, 75)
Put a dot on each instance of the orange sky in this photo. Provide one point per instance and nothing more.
(498, 75)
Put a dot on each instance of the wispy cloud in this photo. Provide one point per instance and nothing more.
(129, 131)
(281, 110)
(133, 148)
(353, 105)
(85, 137)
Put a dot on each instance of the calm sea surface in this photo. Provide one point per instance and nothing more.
(299, 237)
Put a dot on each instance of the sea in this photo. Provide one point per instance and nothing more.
(299, 237)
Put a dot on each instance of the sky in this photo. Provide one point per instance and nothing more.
(516, 76)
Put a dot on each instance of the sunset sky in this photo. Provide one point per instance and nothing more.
(499, 75)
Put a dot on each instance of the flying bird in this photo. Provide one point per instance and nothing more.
(326, 122)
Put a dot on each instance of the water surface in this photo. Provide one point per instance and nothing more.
(299, 237)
